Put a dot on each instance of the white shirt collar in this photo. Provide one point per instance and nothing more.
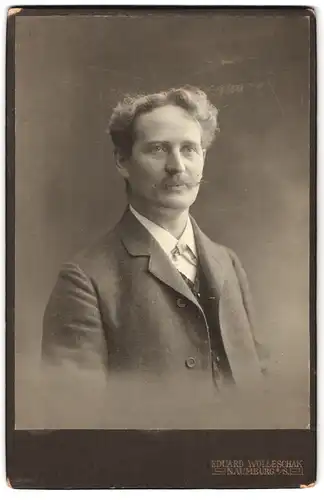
(165, 239)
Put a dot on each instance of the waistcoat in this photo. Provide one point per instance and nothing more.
(201, 291)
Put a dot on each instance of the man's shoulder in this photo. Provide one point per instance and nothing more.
(103, 251)
(228, 259)
(225, 254)
(221, 251)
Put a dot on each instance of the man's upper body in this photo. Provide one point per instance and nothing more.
(155, 316)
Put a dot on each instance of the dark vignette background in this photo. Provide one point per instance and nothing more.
(70, 72)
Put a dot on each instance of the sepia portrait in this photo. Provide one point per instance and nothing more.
(162, 179)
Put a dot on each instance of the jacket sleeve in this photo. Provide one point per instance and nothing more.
(74, 355)
(72, 327)
(261, 349)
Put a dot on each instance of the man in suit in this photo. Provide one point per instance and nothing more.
(161, 312)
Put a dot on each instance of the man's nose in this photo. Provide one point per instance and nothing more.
(174, 163)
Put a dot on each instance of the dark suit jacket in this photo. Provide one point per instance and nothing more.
(122, 310)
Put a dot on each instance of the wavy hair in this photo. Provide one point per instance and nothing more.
(191, 99)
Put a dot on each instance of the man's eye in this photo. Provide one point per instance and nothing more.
(188, 148)
(157, 148)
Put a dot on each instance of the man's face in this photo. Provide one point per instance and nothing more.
(167, 158)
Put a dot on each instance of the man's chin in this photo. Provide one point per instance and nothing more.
(177, 201)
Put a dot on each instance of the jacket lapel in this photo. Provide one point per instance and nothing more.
(210, 258)
(139, 242)
(229, 311)
(161, 267)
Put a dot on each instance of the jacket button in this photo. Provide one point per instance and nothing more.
(181, 302)
(216, 371)
(190, 362)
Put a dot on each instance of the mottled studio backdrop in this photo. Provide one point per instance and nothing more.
(71, 71)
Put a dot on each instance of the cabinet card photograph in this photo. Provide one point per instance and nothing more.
(163, 220)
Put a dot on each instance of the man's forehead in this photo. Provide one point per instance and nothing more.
(167, 121)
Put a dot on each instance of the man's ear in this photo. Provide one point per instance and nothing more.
(121, 164)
